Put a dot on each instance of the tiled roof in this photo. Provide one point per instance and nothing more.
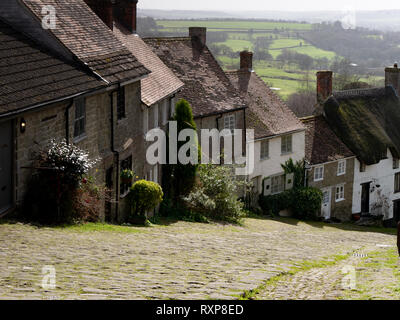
(80, 30)
(162, 82)
(367, 121)
(268, 115)
(322, 144)
(29, 76)
(207, 88)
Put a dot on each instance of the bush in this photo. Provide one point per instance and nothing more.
(304, 202)
(276, 203)
(144, 196)
(307, 202)
(55, 183)
(216, 195)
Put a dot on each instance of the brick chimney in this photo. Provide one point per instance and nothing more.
(198, 35)
(324, 85)
(246, 61)
(126, 13)
(392, 77)
(103, 9)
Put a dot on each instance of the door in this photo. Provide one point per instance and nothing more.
(366, 187)
(109, 186)
(326, 203)
(396, 211)
(6, 166)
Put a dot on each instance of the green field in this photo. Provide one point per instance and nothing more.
(242, 35)
(234, 24)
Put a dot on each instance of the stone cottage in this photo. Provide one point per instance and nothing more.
(279, 134)
(159, 89)
(216, 104)
(331, 168)
(76, 82)
(366, 120)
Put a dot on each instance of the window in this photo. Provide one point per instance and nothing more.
(278, 184)
(230, 122)
(125, 165)
(319, 173)
(121, 103)
(264, 153)
(339, 196)
(363, 167)
(145, 120)
(395, 163)
(165, 112)
(397, 183)
(80, 118)
(286, 144)
(172, 106)
(341, 168)
(155, 115)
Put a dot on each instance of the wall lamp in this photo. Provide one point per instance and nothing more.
(22, 125)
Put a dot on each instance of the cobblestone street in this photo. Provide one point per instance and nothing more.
(199, 261)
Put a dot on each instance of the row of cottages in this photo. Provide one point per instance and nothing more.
(352, 146)
(81, 82)
(279, 135)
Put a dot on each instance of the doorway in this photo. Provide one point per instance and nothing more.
(6, 166)
(365, 197)
(396, 211)
(326, 203)
(109, 186)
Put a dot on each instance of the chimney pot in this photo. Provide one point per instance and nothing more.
(126, 13)
(103, 9)
(246, 61)
(199, 35)
(392, 77)
(324, 85)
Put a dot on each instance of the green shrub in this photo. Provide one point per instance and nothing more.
(179, 179)
(274, 204)
(144, 196)
(216, 196)
(303, 202)
(306, 203)
(55, 185)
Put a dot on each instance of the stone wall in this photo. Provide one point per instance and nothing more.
(342, 209)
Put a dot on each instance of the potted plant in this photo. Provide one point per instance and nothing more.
(127, 176)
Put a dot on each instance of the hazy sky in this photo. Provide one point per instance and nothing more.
(287, 5)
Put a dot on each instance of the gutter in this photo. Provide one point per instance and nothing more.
(115, 152)
(218, 113)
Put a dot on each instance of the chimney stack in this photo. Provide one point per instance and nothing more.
(126, 13)
(103, 9)
(198, 35)
(392, 77)
(246, 61)
(324, 85)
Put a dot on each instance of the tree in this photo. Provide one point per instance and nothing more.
(179, 178)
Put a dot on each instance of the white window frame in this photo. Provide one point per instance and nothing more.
(285, 145)
(341, 165)
(264, 155)
(278, 187)
(319, 173)
(339, 193)
(230, 122)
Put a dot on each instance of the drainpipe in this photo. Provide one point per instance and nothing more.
(116, 154)
(67, 120)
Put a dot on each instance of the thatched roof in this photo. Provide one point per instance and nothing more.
(367, 121)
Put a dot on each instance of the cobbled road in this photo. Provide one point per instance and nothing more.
(183, 260)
